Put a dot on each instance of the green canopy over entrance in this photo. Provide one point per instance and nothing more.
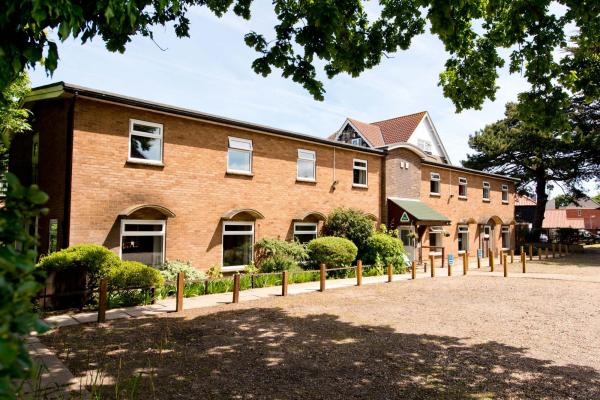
(419, 211)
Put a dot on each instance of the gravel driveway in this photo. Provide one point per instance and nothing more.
(452, 338)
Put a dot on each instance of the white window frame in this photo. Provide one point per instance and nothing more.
(438, 231)
(504, 189)
(162, 232)
(505, 229)
(360, 168)
(159, 136)
(313, 224)
(435, 177)
(356, 141)
(463, 229)
(240, 150)
(486, 185)
(236, 233)
(306, 157)
(424, 145)
(462, 181)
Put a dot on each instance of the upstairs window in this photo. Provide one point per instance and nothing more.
(304, 232)
(505, 193)
(424, 145)
(239, 156)
(359, 173)
(434, 183)
(486, 191)
(306, 168)
(462, 188)
(356, 141)
(145, 141)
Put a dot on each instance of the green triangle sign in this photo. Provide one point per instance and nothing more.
(404, 217)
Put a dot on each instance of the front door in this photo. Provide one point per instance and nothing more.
(407, 235)
(485, 240)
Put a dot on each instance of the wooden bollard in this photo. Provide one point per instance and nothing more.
(414, 270)
(465, 263)
(236, 288)
(530, 252)
(179, 295)
(523, 262)
(505, 259)
(546, 249)
(539, 253)
(322, 278)
(103, 300)
(432, 261)
(491, 260)
(478, 262)
(553, 250)
(500, 256)
(449, 268)
(284, 283)
(390, 272)
(359, 273)
(512, 256)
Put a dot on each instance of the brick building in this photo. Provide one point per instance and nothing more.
(151, 181)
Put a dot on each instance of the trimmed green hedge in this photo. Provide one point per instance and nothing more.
(333, 251)
(134, 274)
(382, 248)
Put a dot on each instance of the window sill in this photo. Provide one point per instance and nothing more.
(435, 253)
(356, 185)
(505, 202)
(486, 200)
(435, 195)
(302, 180)
(462, 197)
(145, 162)
(234, 268)
(243, 173)
(461, 252)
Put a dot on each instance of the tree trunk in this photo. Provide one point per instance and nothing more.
(542, 199)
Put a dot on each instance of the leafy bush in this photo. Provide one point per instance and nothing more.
(214, 271)
(333, 251)
(351, 224)
(274, 255)
(170, 269)
(384, 248)
(96, 260)
(134, 274)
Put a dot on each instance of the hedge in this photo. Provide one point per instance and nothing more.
(134, 274)
(333, 251)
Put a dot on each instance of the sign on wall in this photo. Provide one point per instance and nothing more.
(450, 259)
(404, 217)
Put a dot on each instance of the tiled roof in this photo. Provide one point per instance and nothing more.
(524, 201)
(558, 219)
(370, 132)
(399, 129)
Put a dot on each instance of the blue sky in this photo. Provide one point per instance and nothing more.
(210, 72)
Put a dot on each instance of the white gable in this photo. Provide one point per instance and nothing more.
(425, 135)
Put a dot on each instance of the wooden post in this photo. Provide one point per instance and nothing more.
(546, 248)
(414, 270)
(491, 259)
(359, 272)
(236, 288)
(390, 272)
(103, 300)
(322, 277)
(443, 256)
(432, 261)
(553, 250)
(505, 266)
(284, 283)
(478, 262)
(449, 268)
(530, 252)
(512, 256)
(179, 296)
(500, 255)
(523, 262)
(152, 295)
(539, 253)
(465, 263)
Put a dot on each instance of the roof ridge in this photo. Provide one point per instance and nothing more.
(400, 116)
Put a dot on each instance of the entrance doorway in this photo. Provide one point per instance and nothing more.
(485, 244)
(407, 235)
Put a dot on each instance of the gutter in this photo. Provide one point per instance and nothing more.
(469, 170)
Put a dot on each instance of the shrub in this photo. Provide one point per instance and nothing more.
(384, 248)
(96, 260)
(351, 224)
(134, 274)
(274, 255)
(333, 251)
(214, 271)
(170, 269)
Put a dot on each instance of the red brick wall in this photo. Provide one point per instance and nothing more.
(591, 217)
(193, 182)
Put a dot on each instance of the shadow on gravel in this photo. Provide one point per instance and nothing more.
(263, 353)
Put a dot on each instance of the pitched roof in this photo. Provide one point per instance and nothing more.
(370, 132)
(558, 219)
(399, 129)
(419, 210)
(524, 201)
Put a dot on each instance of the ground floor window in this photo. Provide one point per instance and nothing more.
(52, 235)
(463, 239)
(435, 239)
(143, 241)
(304, 232)
(238, 242)
(505, 237)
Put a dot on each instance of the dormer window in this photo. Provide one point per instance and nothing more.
(424, 145)
(356, 141)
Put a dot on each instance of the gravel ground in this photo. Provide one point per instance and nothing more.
(463, 337)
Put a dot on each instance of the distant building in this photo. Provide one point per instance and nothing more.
(586, 209)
